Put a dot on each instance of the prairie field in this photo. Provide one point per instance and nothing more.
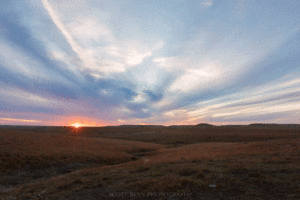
(150, 162)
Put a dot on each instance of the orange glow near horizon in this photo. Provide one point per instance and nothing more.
(78, 122)
(77, 125)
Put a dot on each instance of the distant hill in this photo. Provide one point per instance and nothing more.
(204, 125)
(135, 126)
(262, 125)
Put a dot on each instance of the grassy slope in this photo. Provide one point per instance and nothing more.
(58, 162)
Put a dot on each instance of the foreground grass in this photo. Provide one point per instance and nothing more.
(20, 149)
(101, 168)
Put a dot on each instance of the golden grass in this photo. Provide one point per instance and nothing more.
(257, 169)
(20, 149)
(279, 149)
(176, 136)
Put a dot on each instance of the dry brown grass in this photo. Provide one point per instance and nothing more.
(21, 149)
(283, 150)
(177, 136)
(263, 169)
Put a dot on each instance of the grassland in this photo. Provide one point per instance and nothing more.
(150, 162)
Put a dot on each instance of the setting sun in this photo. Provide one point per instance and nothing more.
(79, 121)
(76, 125)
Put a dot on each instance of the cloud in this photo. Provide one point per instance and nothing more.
(135, 58)
(276, 97)
(19, 120)
(202, 78)
(229, 68)
(96, 46)
(18, 97)
(154, 96)
(19, 62)
(57, 20)
(207, 3)
(90, 31)
(134, 52)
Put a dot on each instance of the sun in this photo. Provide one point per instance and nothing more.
(76, 125)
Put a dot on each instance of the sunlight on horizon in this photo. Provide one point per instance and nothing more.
(76, 125)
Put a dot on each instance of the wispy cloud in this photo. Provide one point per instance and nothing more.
(269, 99)
(58, 22)
(208, 3)
(18, 97)
(19, 120)
(96, 46)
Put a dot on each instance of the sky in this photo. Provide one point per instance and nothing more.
(164, 62)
